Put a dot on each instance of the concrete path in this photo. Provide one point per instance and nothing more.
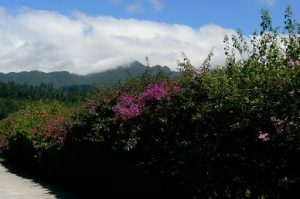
(16, 187)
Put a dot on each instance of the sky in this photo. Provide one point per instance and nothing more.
(86, 36)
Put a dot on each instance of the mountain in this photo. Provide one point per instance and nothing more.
(64, 78)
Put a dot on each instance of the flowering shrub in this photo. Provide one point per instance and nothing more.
(56, 129)
(245, 118)
(129, 107)
(39, 127)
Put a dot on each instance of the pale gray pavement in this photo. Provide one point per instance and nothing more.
(13, 186)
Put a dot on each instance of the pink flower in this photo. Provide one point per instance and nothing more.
(127, 107)
(56, 129)
(34, 131)
(264, 136)
(155, 92)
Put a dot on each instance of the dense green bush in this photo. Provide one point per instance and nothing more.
(8, 106)
(228, 132)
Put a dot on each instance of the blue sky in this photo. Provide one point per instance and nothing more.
(84, 36)
(242, 14)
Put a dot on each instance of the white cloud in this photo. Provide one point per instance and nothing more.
(135, 8)
(158, 4)
(48, 41)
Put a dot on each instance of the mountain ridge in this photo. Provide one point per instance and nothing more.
(65, 78)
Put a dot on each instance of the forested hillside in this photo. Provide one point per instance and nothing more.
(63, 78)
(15, 96)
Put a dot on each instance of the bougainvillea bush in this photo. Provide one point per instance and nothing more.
(29, 135)
(226, 132)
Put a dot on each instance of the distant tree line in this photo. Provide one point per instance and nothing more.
(44, 91)
(15, 96)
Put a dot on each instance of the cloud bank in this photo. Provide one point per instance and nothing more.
(82, 44)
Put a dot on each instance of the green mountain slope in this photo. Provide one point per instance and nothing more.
(64, 78)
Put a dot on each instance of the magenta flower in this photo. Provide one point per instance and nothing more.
(155, 92)
(127, 107)
(264, 136)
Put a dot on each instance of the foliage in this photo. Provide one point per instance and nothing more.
(16, 91)
(8, 106)
(40, 126)
(14, 96)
